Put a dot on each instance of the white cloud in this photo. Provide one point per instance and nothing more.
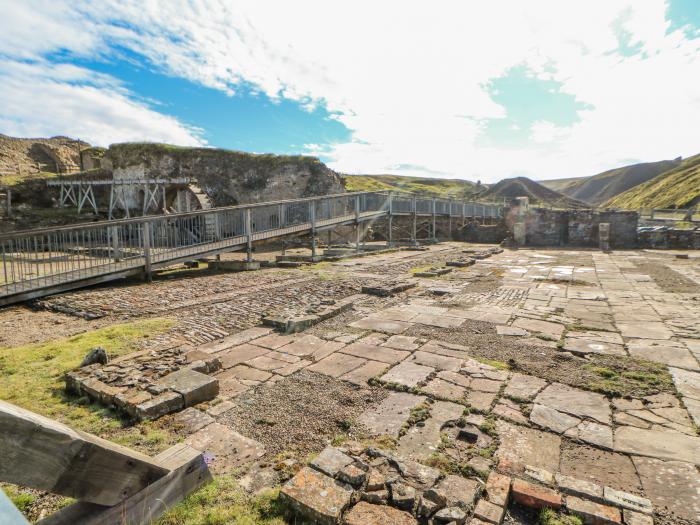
(40, 99)
(408, 77)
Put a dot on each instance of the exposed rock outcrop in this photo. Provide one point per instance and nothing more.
(226, 177)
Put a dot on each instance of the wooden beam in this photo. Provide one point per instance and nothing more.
(43, 454)
(188, 471)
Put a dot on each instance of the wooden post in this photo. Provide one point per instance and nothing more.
(44, 454)
(147, 251)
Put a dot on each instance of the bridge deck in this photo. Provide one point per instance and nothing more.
(41, 262)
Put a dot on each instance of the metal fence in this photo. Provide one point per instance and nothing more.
(48, 258)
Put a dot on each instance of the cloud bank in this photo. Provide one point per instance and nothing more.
(412, 80)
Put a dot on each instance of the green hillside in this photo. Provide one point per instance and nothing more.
(676, 188)
(455, 188)
(605, 186)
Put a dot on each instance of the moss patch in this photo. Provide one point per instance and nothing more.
(222, 502)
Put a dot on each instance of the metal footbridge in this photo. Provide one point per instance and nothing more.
(41, 262)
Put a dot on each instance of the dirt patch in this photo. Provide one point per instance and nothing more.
(302, 413)
(599, 466)
(21, 325)
(611, 375)
(666, 278)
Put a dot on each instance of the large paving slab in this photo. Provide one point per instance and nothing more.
(671, 485)
(421, 441)
(408, 374)
(376, 353)
(381, 325)
(226, 448)
(648, 330)
(337, 364)
(668, 352)
(658, 444)
(391, 414)
(579, 403)
(520, 447)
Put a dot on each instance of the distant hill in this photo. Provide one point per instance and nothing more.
(677, 188)
(604, 186)
(454, 188)
(537, 193)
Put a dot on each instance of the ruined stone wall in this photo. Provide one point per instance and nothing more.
(545, 227)
(670, 239)
(227, 177)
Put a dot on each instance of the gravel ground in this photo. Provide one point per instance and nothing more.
(666, 278)
(301, 413)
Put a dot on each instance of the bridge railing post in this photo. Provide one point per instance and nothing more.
(390, 210)
(312, 219)
(249, 235)
(357, 223)
(414, 212)
(146, 232)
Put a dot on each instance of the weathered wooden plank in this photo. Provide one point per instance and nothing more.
(43, 454)
(188, 471)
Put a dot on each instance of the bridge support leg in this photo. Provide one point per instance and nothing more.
(434, 230)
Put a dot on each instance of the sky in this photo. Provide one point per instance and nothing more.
(480, 90)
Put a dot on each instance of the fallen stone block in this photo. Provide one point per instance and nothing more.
(318, 497)
(579, 487)
(194, 387)
(636, 518)
(159, 406)
(368, 514)
(450, 515)
(388, 289)
(535, 496)
(488, 512)
(627, 500)
(463, 263)
(593, 513)
(454, 491)
(331, 461)
(433, 272)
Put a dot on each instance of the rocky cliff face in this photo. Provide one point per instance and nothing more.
(226, 177)
(26, 157)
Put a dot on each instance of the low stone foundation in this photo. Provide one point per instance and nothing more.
(670, 239)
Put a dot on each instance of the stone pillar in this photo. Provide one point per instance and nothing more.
(519, 233)
(604, 236)
(389, 219)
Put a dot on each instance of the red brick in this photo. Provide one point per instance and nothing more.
(498, 489)
(593, 513)
(535, 496)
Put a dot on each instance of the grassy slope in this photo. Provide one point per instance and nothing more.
(676, 188)
(604, 186)
(438, 187)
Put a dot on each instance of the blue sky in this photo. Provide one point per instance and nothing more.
(472, 90)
